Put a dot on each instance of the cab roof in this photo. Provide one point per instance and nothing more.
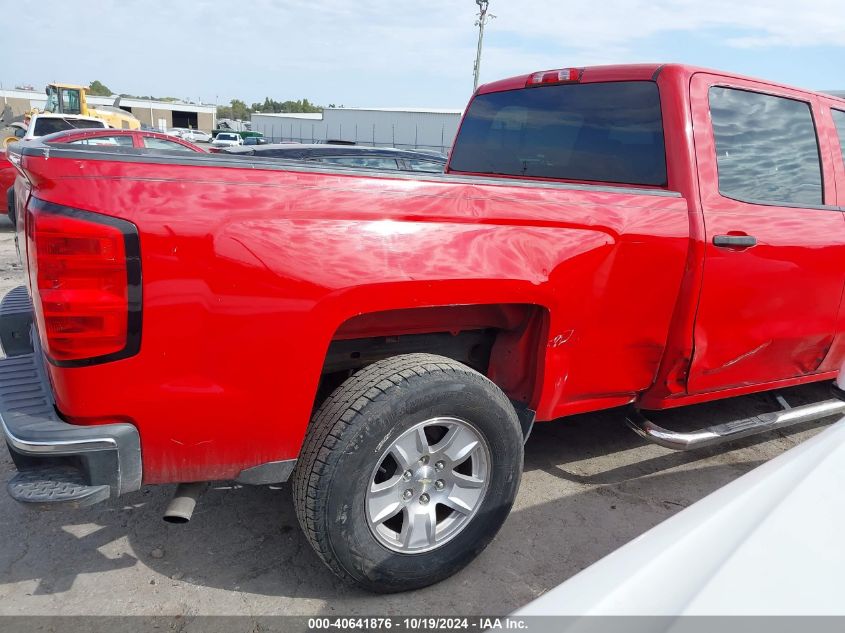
(70, 86)
(624, 72)
(639, 72)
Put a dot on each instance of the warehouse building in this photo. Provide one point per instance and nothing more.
(157, 114)
(405, 128)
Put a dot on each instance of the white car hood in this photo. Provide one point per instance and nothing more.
(770, 543)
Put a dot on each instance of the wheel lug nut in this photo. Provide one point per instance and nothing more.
(424, 498)
(424, 460)
(439, 484)
(439, 466)
(408, 494)
(407, 475)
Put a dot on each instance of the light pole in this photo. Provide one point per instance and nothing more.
(482, 20)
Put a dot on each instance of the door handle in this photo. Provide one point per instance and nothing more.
(735, 241)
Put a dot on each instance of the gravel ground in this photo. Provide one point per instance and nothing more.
(590, 485)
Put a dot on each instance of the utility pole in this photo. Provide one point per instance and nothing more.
(483, 19)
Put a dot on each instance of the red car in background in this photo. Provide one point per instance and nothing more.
(138, 139)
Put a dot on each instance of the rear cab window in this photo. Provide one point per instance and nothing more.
(606, 132)
(49, 125)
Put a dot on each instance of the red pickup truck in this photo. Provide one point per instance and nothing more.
(642, 236)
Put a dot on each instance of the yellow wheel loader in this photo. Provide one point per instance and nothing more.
(71, 100)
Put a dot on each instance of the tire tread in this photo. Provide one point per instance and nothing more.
(315, 467)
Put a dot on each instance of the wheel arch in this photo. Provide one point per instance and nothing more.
(504, 341)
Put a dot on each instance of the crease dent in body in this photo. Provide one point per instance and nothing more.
(739, 358)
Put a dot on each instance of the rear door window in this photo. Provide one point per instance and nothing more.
(428, 166)
(766, 148)
(150, 142)
(123, 141)
(604, 132)
(367, 162)
(839, 121)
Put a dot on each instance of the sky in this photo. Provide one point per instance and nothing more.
(410, 54)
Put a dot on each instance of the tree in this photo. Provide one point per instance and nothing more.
(271, 105)
(238, 109)
(99, 89)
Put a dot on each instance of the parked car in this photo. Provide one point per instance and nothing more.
(242, 133)
(255, 140)
(139, 139)
(7, 179)
(641, 236)
(227, 139)
(196, 136)
(386, 158)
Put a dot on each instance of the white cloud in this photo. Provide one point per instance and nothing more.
(371, 52)
(592, 25)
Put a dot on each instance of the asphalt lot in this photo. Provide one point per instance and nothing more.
(590, 485)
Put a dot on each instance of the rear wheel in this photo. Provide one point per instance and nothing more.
(409, 469)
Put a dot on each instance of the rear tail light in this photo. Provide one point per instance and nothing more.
(85, 275)
(559, 76)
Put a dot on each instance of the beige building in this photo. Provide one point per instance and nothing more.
(157, 114)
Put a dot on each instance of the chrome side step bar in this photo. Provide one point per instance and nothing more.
(720, 433)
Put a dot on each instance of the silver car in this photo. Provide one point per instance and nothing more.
(196, 136)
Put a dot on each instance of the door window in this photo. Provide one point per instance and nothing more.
(360, 161)
(428, 166)
(839, 120)
(70, 101)
(160, 143)
(123, 141)
(766, 148)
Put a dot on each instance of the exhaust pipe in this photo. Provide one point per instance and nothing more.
(181, 507)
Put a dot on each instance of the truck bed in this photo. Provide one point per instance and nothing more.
(251, 268)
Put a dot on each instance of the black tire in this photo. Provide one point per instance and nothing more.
(370, 409)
